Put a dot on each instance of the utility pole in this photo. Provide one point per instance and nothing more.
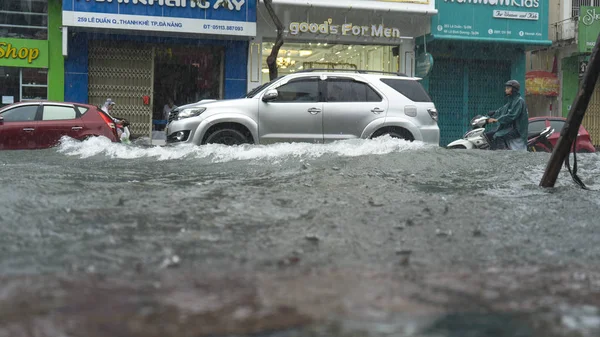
(571, 128)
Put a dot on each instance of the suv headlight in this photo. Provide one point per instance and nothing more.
(190, 112)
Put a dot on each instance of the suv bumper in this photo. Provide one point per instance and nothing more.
(182, 131)
(430, 134)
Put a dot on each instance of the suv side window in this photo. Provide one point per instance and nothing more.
(302, 90)
(348, 90)
(412, 89)
(21, 114)
(53, 113)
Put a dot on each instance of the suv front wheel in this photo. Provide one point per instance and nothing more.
(226, 136)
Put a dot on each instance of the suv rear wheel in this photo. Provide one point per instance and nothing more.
(394, 133)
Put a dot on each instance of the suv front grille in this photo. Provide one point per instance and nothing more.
(173, 114)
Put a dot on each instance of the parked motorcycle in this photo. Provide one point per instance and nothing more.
(476, 138)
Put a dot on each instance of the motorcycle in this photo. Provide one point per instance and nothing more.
(477, 139)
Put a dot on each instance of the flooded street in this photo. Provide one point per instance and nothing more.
(379, 237)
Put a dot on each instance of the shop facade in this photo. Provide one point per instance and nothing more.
(574, 65)
(31, 64)
(477, 46)
(359, 34)
(144, 53)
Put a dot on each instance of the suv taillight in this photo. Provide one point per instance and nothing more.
(433, 113)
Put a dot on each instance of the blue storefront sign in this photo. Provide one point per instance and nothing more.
(513, 21)
(215, 17)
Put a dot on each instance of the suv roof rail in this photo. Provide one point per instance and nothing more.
(352, 70)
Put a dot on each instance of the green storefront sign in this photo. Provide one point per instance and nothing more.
(23, 53)
(589, 28)
(423, 65)
(517, 21)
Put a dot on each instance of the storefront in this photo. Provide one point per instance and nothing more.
(574, 66)
(360, 34)
(31, 65)
(477, 46)
(143, 54)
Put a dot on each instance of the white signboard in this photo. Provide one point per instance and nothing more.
(502, 14)
(407, 6)
(329, 28)
(154, 23)
(8, 99)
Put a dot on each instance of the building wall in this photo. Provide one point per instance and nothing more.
(49, 55)
(570, 82)
(56, 65)
(76, 67)
(468, 79)
(555, 12)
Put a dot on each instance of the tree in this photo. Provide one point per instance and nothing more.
(272, 59)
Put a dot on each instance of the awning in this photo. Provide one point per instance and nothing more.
(408, 6)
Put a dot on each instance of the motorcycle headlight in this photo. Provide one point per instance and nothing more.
(190, 112)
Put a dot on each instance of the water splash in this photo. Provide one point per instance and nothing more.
(101, 146)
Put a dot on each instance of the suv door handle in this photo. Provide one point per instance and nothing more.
(28, 129)
(377, 110)
(77, 128)
(314, 111)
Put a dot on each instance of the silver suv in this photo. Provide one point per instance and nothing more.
(314, 106)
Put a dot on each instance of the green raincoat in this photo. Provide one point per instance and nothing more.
(513, 119)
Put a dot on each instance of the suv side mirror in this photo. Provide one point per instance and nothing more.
(270, 95)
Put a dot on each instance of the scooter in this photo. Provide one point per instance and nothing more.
(476, 138)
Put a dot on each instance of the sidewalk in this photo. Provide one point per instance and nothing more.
(158, 138)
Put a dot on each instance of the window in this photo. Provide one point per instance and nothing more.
(557, 125)
(24, 84)
(348, 90)
(21, 114)
(305, 90)
(536, 127)
(577, 4)
(82, 109)
(413, 90)
(34, 84)
(24, 19)
(52, 113)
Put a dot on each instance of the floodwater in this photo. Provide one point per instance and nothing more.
(354, 238)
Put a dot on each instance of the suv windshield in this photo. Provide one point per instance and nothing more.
(258, 89)
(413, 90)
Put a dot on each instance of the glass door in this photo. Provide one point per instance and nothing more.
(34, 84)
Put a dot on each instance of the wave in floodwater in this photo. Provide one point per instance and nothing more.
(101, 146)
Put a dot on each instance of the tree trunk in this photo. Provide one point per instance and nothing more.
(272, 59)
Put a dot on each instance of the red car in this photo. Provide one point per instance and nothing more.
(36, 125)
(537, 124)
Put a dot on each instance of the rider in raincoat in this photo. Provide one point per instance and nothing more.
(121, 123)
(513, 121)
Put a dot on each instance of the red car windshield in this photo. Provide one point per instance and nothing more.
(557, 125)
